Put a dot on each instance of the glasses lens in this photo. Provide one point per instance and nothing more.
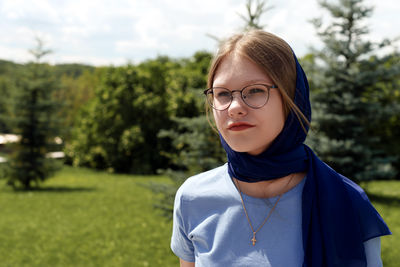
(256, 95)
(219, 98)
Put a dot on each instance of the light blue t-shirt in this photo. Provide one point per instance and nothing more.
(211, 228)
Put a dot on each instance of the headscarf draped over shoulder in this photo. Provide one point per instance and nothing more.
(337, 216)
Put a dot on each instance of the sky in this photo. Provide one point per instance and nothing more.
(115, 32)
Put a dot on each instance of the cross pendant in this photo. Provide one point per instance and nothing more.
(254, 240)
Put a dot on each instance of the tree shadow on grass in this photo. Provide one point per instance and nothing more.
(57, 189)
(384, 199)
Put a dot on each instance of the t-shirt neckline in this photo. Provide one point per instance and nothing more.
(289, 194)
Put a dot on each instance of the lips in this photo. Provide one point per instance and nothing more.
(239, 126)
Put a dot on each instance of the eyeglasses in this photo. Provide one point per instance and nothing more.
(255, 96)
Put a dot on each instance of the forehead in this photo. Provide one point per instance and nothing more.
(235, 70)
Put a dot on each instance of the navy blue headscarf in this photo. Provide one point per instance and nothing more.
(337, 216)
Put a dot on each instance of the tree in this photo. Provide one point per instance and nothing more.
(186, 82)
(6, 85)
(194, 145)
(349, 101)
(32, 110)
(75, 92)
(388, 128)
(253, 16)
(8, 77)
(197, 149)
(117, 130)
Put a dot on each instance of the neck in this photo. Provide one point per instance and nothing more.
(271, 188)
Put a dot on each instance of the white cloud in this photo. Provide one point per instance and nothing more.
(84, 59)
(19, 55)
(114, 31)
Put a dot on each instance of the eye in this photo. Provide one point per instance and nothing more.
(255, 90)
(222, 93)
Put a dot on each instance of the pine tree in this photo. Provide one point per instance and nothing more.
(253, 15)
(254, 11)
(32, 120)
(348, 102)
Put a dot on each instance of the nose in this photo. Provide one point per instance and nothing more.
(237, 106)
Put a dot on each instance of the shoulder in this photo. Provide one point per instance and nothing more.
(359, 198)
(355, 191)
(203, 194)
(371, 223)
(204, 183)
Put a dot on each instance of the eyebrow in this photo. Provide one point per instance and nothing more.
(257, 81)
(250, 82)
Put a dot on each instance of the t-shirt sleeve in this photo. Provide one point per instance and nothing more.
(181, 245)
(373, 252)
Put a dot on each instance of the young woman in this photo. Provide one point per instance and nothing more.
(275, 203)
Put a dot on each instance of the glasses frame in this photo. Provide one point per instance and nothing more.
(210, 91)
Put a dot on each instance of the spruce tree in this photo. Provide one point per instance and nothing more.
(33, 121)
(254, 10)
(254, 13)
(350, 88)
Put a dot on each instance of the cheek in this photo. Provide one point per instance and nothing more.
(277, 110)
(217, 118)
(272, 119)
(279, 119)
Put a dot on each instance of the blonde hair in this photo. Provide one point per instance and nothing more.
(273, 55)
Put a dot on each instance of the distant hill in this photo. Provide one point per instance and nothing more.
(73, 69)
(8, 66)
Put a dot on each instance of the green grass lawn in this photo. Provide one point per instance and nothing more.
(385, 195)
(84, 218)
(87, 218)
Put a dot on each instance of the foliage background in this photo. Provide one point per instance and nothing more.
(149, 118)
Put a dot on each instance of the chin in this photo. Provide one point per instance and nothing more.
(241, 148)
(247, 149)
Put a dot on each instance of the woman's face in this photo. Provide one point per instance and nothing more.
(246, 129)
